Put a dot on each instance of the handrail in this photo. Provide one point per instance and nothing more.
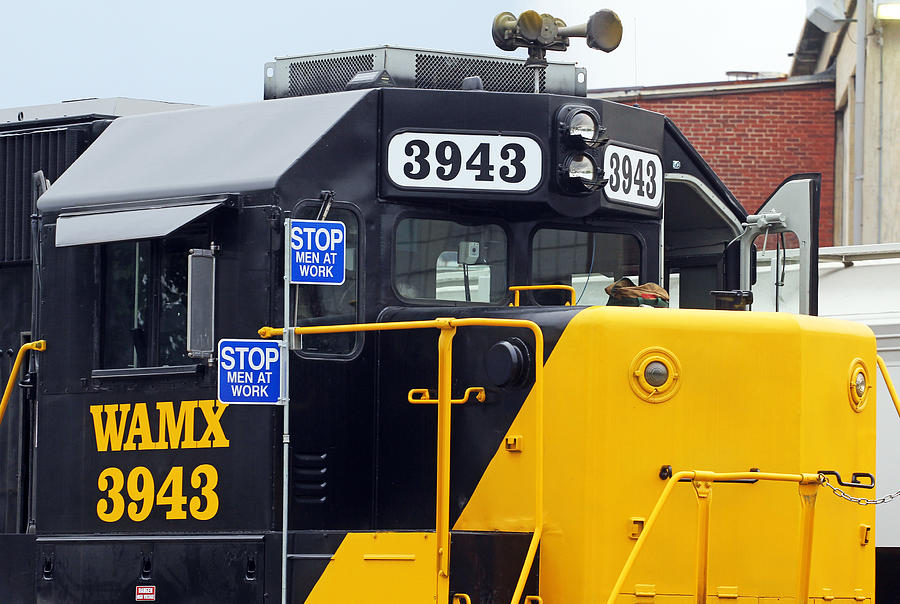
(520, 288)
(40, 346)
(703, 482)
(448, 328)
(888, 382)
(420, 396)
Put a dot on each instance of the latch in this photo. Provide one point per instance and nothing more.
(513, 443)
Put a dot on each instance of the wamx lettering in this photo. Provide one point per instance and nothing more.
(128, 426)
(249, 371)
(317, 252)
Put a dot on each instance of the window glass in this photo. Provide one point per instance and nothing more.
(587, 261)
(777, 287)
(126, 298)
(172, 342)
(428, 265)
(145, 300)
(330, 304)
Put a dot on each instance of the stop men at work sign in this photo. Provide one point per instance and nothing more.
(317, 252)
(249, 371)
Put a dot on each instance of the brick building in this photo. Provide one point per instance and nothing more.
(754, 132)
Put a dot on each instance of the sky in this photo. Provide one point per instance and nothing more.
(213, 53)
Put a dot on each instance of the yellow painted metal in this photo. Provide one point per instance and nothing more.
(515, 289)
(399, 564)
(890, 384)
(442, 519)
(461, 599)
(651, 520)
(272, 332)
(864, 530)
(756, 390)
(448, 328)
(421, 396)
(808, 492)
(703, 482)
(39, 346)
(703, 488)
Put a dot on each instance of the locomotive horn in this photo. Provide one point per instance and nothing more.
(541, 32)
(504, 31)
(603, 30)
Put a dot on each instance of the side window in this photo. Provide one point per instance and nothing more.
(778, 270)
(330, 304)
(588, 261)
(144, 300)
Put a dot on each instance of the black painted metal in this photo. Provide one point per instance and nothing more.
(486, 566)
(24, 150)
(106, 571)
(887, 579)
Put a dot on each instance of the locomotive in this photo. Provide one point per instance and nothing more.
(466, 409)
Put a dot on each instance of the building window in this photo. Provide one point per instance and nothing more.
(144, 300)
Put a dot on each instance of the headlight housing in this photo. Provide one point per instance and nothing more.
(580, 173)
(580, 127)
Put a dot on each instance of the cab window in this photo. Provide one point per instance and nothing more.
(144, 300)
(443, 260)
(588, 261)
(330, 304)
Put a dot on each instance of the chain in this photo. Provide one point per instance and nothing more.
(859, 500)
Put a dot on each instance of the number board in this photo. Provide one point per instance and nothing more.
(481, 162)
(633, 177)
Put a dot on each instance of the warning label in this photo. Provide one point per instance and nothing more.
(317, 252)
(145, 593)
(249, 371)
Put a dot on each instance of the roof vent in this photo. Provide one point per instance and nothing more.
(413, 68)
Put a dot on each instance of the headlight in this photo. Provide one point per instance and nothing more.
(580, 126)
(583, 125)
(583, 167)
(580, 173)
(578, 136)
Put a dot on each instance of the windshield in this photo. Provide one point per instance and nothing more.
(446, 260)
(587, 261)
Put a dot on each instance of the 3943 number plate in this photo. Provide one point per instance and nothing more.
(431, 160)
(633, 177)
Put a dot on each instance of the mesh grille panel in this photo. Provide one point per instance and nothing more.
(319, 76)
(21, 155)
(446, 72)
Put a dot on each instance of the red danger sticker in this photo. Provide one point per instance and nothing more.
(145, 593)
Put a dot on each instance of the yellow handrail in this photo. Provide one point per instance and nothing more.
(703, 482)
(888, 382)
(40, 346)
(448, 328)
(520, 288)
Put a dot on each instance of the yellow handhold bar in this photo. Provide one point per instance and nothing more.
(887, 380)
(519, 288)
(448, 329)
(40, 346)
(808, 480)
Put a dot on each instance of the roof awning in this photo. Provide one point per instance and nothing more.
(234, 149)
(146, 223)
